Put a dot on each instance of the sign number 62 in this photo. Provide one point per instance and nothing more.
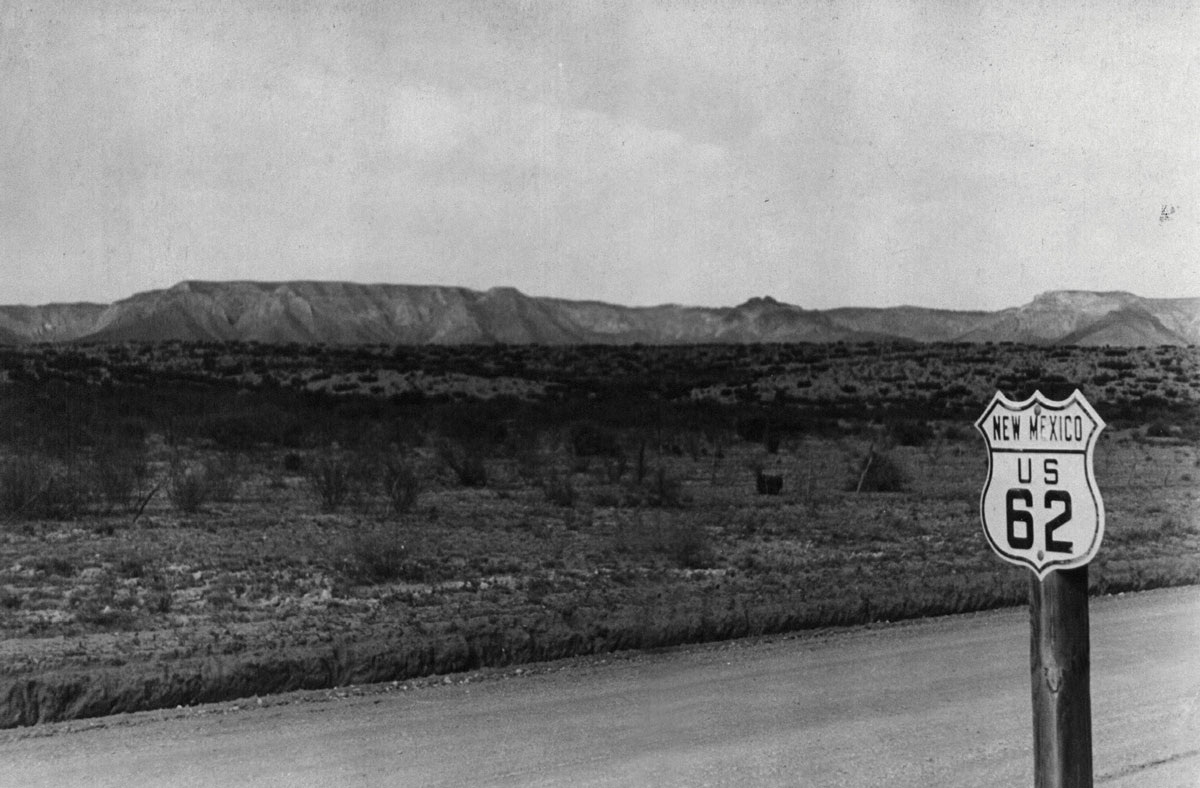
(1024, 518)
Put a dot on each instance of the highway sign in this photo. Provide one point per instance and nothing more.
(1041, 507)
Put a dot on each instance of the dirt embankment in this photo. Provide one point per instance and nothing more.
(941, 702)
(60, 695)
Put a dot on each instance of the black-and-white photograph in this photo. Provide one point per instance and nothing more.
(461, 393)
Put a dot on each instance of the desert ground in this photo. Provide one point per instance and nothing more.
(189, 523)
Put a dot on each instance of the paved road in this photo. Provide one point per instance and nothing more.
(935, 703)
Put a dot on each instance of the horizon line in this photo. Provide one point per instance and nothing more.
(661, 305)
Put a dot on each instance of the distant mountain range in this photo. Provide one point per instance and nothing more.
(348, 313)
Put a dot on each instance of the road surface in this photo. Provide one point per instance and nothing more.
(943, 702)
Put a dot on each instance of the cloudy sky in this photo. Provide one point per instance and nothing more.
(947, 154)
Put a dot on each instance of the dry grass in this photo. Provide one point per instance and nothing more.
(474, 576)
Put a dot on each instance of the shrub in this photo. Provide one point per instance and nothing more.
(188, 487)
(119, 473)
(880, 472)
(529, 462)
(400, 484)
(9, 600)
(466, 462)
(104, 616)
(687, 544)
(54, 565)
(664, 490)
(22, 482)
(334, 479)
(632, 535)
(35, 487)
(954, 433)
(67, 495)
(224, 476)
(911, 433)
(612, 469)
(293, 462)
(131, 566)
(752, 429)
(1159, 429)
(159, 601)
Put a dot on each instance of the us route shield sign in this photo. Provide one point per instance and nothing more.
(1040, 505)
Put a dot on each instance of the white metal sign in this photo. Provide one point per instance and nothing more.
(1041, 507)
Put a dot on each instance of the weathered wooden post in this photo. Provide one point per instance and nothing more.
(1041, 509)
(1059, 661)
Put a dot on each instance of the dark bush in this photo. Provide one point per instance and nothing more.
(35, 487)
(955, 433)
(68, 495)
(771, 442)
(23, 481)
(9, 600)
(224, 475)
(188, 487)
(880, 472)
(159, 601)
(400, 484)
(466, 461)
(664, 490)
(768, 483)
(119, 473)
(752, 429)
(54, 565)
(911, 433)
(104, 616)
(336, 479)
(1159, 429)
(687, 544)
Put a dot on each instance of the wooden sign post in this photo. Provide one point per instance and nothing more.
(1060, 664)
(1041, 509)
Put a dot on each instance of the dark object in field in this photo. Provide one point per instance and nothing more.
(880, 473)
(768, 483)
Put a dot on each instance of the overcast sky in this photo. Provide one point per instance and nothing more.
(933, 153)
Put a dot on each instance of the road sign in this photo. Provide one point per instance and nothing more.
(1041, 507)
